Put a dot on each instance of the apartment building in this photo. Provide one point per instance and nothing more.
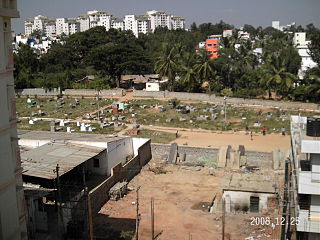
(137, 24)
(178, 22)
(301, 44)
(117, 23)
(12, 204)
(212, 45)
(303, 184)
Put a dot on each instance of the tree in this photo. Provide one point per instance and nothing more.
(314, 47)
(313, 83)
(26, 64)
(204, 68)
(167, 64)
(275, 77)
(194, 27)
(37, 33)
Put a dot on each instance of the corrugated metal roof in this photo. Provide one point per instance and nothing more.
(42, 161)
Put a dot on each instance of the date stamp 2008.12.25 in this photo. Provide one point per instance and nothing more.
(266, 221)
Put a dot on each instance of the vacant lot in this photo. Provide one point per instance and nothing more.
(181, 200)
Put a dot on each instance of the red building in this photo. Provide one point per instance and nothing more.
(212, 45)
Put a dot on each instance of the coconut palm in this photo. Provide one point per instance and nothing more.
(275, 77)
(167, 64)
(204, 68)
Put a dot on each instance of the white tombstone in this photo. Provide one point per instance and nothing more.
(83, 127)
(78, 124)
(31, 122)
(29, 100)
(89, 129)
(68, 129)
(61, 123)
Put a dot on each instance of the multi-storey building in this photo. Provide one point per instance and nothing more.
(84, 21)
(50, 27)
(137, 24)
(212, 45)
(117, 23)
(159, 19)
(12, 206)
(178, 23)
(303, 185)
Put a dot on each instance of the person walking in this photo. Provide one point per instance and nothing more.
(283, 131)
(177, 134)
(264, 131)
(251, 135)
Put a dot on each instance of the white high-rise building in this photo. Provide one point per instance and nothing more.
(28, 26)
(50, 27)
(99, 18)
(117, 23)
(12, 204)
(178, 23)
(84, 21)
(276, 25)
(60, 24)
(143, 24)
(159, 19)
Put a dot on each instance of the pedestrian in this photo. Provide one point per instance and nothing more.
(283, 131)
(264, 130)
(177, 134)
(251, 135)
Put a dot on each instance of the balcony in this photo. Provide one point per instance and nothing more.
(309, 221)
(8, 8)
(308, 183)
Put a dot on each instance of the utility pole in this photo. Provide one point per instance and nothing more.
(223, 217)
(152, 219)
(225, 112)
(98, 92)
(137, 215)
(59, 199)
(285, 202)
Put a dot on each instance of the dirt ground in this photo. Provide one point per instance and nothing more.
(196, 138)
(181, 200)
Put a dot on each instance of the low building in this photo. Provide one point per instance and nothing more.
(212, 45)
(227, 33)
(63, 173)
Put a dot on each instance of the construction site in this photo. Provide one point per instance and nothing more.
(200, 193)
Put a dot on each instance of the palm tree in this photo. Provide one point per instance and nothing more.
(204, 68)
(275, 77)
(313, 78)
(190, 79)
(167, 64)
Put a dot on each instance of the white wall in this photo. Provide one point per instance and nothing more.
(152, 86)
(137, 143)
(118, 150)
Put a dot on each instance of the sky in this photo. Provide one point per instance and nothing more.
(236, 12)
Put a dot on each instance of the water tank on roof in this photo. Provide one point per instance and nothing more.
(313, 127)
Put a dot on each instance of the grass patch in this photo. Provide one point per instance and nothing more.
(157, 136)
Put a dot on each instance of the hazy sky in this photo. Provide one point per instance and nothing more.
(237, 12)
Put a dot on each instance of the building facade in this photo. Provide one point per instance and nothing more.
(303, 184)
(12, 204)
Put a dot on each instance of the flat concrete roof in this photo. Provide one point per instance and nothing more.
(42, 161)
(64, 136)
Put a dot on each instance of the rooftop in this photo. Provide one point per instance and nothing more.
(42, 161)
(64, 136)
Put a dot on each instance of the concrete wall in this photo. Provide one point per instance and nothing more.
(70, 92)
(120, 172)
(37, 91)
(219, 100)
(93, 93)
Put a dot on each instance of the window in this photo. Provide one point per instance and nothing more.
(96, 162)
(254, 204)
(209, 45)
(149, 85)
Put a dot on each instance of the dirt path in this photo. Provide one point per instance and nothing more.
(207, 138)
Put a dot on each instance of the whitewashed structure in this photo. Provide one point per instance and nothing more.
(12, 205)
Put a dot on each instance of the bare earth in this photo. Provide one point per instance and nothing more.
(181, 198)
